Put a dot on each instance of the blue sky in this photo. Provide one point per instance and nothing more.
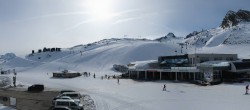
(27, 25)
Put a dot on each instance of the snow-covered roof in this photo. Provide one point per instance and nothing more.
(141, 64)
(66, 71)
(216, 63)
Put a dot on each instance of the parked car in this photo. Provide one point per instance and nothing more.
(62, 97)
(73, 95)
(61, 108)
(68, 103)
(36, 88)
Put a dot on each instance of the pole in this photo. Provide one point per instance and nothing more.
(176, 76)
(160, 75)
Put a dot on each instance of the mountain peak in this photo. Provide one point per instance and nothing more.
(233, 18)
(8, 56)
(169, 36)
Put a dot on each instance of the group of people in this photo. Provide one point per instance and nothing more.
(85, 74)
(247, 88)
(108, 77)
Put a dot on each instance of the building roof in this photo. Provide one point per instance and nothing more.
(216, 63)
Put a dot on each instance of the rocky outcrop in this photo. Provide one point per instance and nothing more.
(233, 18)
(168, 36)
(192, 34)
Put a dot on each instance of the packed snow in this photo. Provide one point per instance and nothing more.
(98, 58)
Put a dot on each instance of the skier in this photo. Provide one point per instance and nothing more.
(118, 80)
(164, 87)
(247, 89)
(94, 75)
(14, 81)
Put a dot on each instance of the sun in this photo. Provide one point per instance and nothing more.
(99, 9)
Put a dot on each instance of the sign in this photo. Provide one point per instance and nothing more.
(208, 76)
(12, 101)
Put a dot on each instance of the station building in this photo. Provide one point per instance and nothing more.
(211, 68)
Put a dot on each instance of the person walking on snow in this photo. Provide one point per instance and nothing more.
(247, 88)
(164, 87)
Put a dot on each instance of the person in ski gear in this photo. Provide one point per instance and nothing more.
(164, 87)
(247, 88)
(14, 81)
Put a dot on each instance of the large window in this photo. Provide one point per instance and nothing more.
(217, 58)
(229, 58)
(204, 59)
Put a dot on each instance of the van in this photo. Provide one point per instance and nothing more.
(36, 88)
(68, 103)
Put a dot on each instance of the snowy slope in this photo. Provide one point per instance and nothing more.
(234, 30)
(11, 61)
(102, 56)
(239, 34)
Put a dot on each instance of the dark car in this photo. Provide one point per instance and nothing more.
(36, 88)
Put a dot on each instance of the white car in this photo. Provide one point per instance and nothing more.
(61, 97)
(68, 103)
(73, 95)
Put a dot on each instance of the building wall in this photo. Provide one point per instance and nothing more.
(199, 58)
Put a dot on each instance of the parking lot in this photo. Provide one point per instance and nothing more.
(38, 100)
(31, 101)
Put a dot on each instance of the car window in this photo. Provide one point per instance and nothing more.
(72, 95)
(63, 103)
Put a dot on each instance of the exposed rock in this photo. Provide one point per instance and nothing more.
(168, 36)
(192, 34)
(232, 18)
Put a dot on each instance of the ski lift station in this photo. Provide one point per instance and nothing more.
(209, 68)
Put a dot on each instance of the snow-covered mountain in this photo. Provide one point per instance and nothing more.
(234, 18)
(102, 55)
(6, 57)
(170, 36)
(99, 58)
(235, 29)
(11, 61)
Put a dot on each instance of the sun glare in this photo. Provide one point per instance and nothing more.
(99, 9)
